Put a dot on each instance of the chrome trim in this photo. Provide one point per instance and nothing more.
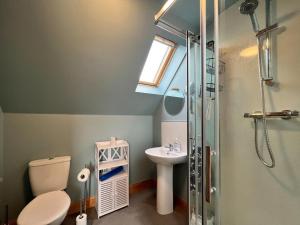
(191, 140)
(267, 30)
(285, 114)
(202, 63)
(170, 28)
(216, 152)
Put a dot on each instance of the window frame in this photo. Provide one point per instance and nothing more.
(165, 62)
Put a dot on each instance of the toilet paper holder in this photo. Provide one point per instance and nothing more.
(83, 177)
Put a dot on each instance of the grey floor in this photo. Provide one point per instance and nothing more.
(141, 211)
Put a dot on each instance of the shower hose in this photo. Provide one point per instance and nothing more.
(264, 121)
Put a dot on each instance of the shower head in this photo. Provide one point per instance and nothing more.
(248, 8)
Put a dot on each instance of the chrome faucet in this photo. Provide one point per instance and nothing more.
(177, 145)
(170, 147)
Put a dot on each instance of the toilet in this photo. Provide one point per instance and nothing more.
(48, 179)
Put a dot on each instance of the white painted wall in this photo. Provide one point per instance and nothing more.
(251, 193)
(170, 131)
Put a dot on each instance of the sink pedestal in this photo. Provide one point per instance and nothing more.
(164, 198)
(165, 160)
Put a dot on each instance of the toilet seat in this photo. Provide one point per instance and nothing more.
(45, 208)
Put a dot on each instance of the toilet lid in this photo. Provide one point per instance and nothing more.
(45, 208)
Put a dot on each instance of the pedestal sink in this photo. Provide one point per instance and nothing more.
(165, 161)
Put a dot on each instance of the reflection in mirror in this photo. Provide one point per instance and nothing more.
(174, 101)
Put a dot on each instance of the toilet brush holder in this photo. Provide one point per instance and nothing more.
(81, 219)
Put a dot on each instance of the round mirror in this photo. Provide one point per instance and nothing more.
(174, 101)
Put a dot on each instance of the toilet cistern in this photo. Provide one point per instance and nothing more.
(51, 204)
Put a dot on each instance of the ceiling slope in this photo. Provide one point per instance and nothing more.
(75, 57)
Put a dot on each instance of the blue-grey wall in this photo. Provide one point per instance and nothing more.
(64, 65)
(34, 136)
(75, 57)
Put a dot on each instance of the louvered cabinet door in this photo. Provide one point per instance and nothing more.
(106, 198)
(121, 192)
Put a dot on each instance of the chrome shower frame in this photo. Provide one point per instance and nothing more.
(158, 21)
(170, 28)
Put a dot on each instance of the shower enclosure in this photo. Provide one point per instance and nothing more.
(259, 157)
(243, 100)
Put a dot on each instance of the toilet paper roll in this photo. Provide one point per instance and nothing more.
(83, 175)
(81, 219)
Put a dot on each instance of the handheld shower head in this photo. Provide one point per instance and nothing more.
(248, 8)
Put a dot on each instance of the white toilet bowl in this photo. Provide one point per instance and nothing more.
(46, 209)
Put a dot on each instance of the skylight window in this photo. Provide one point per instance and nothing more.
(158, 58)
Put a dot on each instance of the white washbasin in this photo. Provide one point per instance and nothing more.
(165, 160)
(162, 155)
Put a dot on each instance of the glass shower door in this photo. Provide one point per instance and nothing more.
(212, 68)
(203, 117)
(194, 129)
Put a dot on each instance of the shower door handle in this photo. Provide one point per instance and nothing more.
(208, 174)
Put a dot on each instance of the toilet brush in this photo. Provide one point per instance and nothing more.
(82, 177)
